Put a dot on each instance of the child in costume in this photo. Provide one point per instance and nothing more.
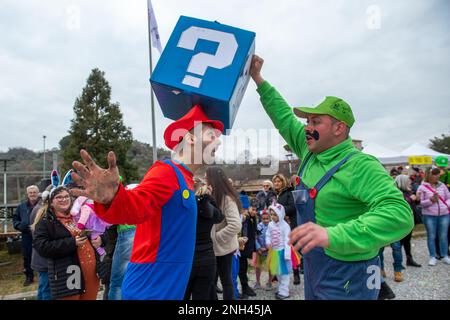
(280, 252)
(262, 251)
(84, 215)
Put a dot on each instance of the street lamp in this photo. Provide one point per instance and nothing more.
(289, 157)
(43, 170)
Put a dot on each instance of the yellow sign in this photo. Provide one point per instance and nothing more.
(420, 160)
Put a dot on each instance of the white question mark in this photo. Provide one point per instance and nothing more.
(201, 61)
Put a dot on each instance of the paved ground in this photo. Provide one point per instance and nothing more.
(425, 283)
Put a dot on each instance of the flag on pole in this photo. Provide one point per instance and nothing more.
(153, 27)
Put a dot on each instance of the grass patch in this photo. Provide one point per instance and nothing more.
(11, 275)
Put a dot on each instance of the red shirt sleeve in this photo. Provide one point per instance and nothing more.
(141, 203)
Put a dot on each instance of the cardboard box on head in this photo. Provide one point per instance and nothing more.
(205, 63)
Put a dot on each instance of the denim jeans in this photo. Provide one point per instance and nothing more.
(437, 225)
(44, 292)
(121, 257)
(234, 274)
(396, 254)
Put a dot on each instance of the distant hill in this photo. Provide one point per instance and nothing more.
(28, 166)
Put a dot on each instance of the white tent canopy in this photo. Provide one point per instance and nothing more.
(417, 149)
(388, 156)
(379, 151)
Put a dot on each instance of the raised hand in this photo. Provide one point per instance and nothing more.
(98, 184)
(255, 69)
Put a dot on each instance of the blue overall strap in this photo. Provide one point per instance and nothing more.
(181, 182)
(304, 162)
(331, 172)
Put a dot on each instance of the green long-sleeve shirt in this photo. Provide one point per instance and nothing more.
(360, 206)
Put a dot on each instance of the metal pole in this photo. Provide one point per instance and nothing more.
(152, 100)
(5, 226)
(43, 171)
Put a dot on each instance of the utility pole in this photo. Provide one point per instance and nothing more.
(43, 170)
(5, 192)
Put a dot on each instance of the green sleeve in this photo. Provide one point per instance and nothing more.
(388, 219)
(283, 118)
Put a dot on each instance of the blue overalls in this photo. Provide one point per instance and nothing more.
(327, 278)
(167, 277)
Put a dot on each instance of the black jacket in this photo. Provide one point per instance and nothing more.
(21, 217)
(109, 239)
(265, 199)
(53, 241)
(207, 216)
(249, 227)
(286, 199)
(38, 263)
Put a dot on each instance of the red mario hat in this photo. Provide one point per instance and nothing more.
(175, 132)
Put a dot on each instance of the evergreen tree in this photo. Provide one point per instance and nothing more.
(441, 144)
(98, 127)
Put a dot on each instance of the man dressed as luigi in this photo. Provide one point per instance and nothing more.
(347, 205)
(163, 207)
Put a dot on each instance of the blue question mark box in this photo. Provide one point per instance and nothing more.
(204, 63)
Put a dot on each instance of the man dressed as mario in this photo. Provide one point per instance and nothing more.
(163, 207)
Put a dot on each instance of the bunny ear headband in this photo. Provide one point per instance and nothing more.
(56, 179)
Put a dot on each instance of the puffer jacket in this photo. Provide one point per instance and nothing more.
(430, 208)
(53, 241)
(286, 199)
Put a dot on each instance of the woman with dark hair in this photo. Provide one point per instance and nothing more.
(201, 285)
(224, 234)
(71, 257)
(403, 182)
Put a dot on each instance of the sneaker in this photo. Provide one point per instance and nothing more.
(249, 292)
(386, 292)
(257, 286)
(219, 289)
(446, 260)
(280, 296)
(398, 277)
(432, 261)
(268, 286)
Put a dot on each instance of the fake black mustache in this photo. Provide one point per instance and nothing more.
(314, 134)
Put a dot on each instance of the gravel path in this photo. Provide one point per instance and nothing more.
(425, 283)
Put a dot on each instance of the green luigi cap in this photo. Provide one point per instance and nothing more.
(441, 161)
(332, 106)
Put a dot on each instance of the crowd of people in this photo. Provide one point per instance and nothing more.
(427, 193)
(233, 230)
(329, 222)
